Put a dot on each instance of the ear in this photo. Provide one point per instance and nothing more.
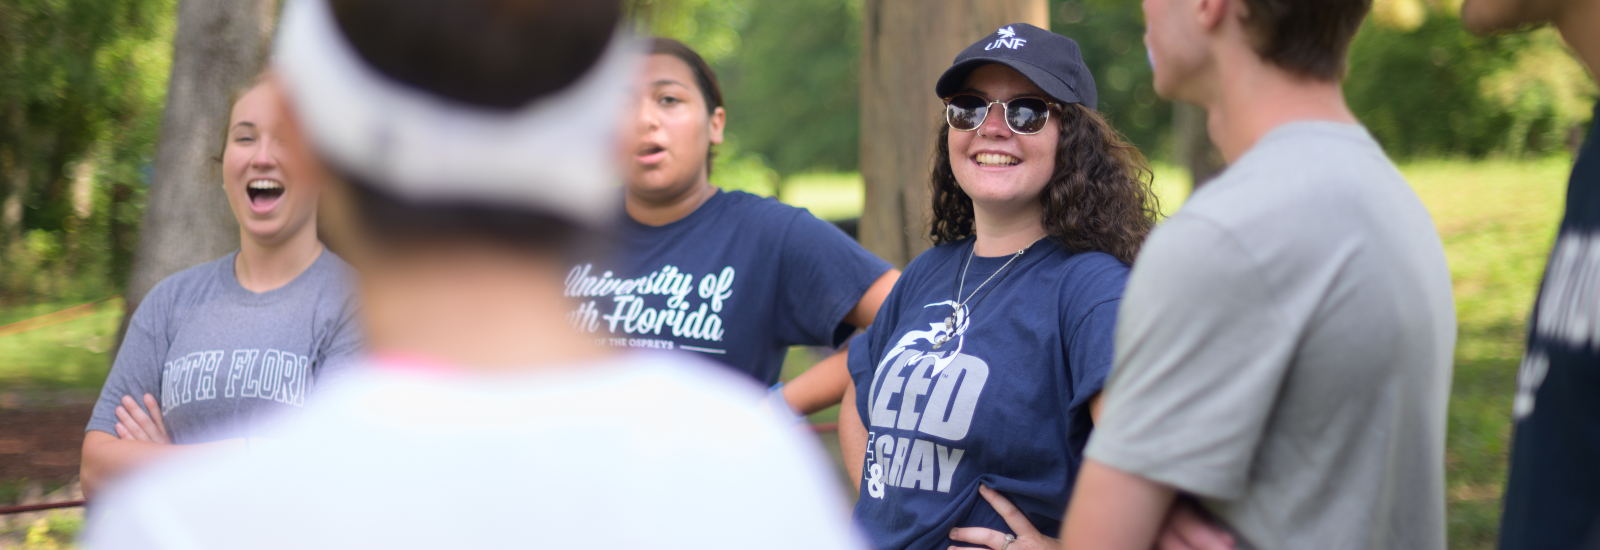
(719, 119)
(1210, 13)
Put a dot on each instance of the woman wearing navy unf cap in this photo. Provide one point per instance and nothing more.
(977, 382)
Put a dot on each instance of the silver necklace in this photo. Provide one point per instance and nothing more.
(950, 322)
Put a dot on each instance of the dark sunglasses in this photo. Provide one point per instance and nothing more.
(1024, 115)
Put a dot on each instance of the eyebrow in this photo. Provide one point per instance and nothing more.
(244, 123)
(668, 81)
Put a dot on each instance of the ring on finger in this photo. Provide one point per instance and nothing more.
(1009, 539)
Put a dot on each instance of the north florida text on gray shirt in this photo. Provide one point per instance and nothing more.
(220, 358)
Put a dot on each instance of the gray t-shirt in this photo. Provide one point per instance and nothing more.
(1284, 350)
(220, 358)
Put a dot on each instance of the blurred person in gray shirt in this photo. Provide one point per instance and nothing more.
(1284, 347)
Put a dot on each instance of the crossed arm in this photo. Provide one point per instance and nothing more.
(141, 438)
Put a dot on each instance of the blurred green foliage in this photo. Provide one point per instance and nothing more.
(1436, 90)
(1422, 84)
(1111, 35)
(81, 89)
(791, 90)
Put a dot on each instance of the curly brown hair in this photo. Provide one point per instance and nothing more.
(1098, 198)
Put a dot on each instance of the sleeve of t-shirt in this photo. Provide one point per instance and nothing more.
(1090, 346)
(343, 346)
(137, 368)
(822, 276)
(1202, 350)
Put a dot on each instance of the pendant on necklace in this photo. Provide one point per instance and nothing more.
(949, 328)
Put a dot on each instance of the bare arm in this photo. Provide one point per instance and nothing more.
(852, 437)
(821, 386)
(1121, 511)
(107, 457)
(866, 309)
(141, 439)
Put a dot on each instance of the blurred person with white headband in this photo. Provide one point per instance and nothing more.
(476, 144)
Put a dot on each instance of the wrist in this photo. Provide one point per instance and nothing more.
(779, 405)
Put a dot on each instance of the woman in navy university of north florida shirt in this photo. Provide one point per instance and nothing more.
(985, 361)
(727, 275)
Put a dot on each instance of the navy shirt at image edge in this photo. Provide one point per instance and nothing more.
(1003, 403)
(1552, 497)
(738, 280)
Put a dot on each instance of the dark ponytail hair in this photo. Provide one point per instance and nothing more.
(704, 78)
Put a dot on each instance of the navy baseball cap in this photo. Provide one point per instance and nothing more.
(1053, 62)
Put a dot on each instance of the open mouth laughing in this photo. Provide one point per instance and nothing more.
(264, 194)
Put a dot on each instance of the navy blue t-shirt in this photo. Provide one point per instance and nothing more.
(738, 280)
(1553, 494)
(1002, 402)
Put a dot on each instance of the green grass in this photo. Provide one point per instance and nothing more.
(69, 356)
(1497, 219)
(828, 195)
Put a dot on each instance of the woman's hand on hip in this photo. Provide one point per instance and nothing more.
(1026, 538)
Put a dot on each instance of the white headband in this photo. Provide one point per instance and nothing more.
(558, 154)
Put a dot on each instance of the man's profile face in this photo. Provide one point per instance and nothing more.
(1177, 45)
(1483, 16)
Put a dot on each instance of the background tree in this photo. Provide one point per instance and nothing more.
(219, 47)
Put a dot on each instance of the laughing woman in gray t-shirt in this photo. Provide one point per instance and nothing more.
(216, 348)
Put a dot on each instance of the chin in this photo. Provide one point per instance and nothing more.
(266, 231)
(656, 187)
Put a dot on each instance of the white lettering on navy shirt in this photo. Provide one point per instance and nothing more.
(628, 312)
(947, 385)
(1568, 313)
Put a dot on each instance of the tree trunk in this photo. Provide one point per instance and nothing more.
(219, 47)
(1191, 145)
(905, 46)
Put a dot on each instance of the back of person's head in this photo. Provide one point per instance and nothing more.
(1308, 38)
(487, 120)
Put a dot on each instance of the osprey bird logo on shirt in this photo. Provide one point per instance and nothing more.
(938, 387)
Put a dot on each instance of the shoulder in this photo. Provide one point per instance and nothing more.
(190, 283)
(1086, 279)
(1300, 175)
(1091, 266)
(931, 262)
(754, 205)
